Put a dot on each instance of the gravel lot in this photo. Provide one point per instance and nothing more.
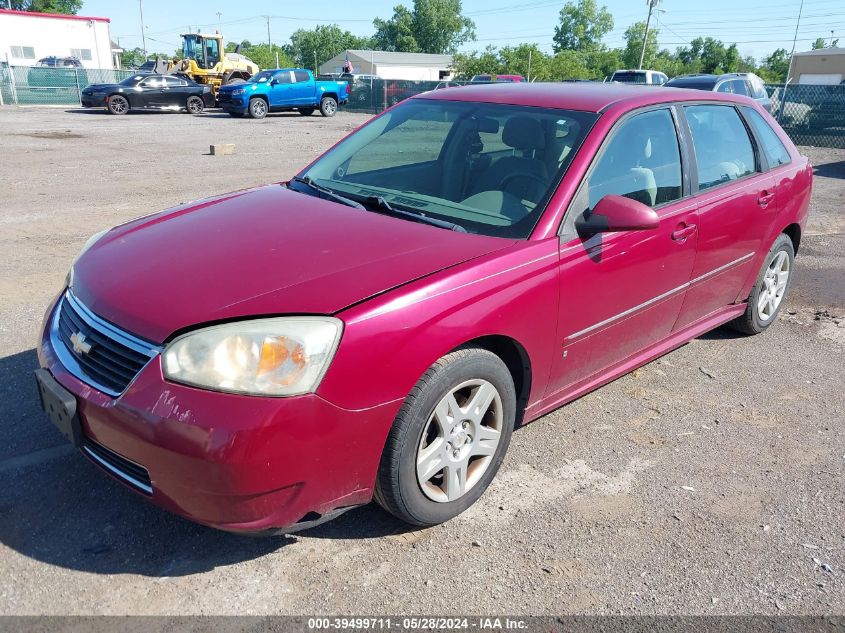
(709, 481)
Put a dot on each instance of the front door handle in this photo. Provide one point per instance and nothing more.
(683, 231)
(765, 198)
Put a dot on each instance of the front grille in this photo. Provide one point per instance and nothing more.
(95, 351)
(223, 97)
(127, 471)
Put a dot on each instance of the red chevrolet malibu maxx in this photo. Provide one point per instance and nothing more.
(375, 328)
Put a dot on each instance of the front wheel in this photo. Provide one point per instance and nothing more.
(328, 106)
(449, 438)
(118, 104)
(771, 287)
(257, 108)
(194, 105)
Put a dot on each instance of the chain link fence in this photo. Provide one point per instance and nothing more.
(24, 85)
(810, 114)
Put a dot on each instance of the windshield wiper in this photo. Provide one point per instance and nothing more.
(378, 203)
(327, 193)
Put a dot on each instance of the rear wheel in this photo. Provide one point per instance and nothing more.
(194, 105)
(771, 287)
(449, 438)
(118, 104)
(257, 108)
(328, 106)
(306, 111)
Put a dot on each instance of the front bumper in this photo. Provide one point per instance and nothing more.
(233, 462)
(93, 100)
(232, 104)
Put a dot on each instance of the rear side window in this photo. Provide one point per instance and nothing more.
(642, 162)
(773, 148)
(723, 149)
(300, 75)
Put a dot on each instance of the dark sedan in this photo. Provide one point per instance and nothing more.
(149, 92)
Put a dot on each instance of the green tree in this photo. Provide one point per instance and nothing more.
(322, 42)
(432, 26)
(465, 65)
(634, 35)
(567, 65)
(132, 58)
(582, 26)
(68, 7)
(602, 63)
(822, 43)
(776, 66)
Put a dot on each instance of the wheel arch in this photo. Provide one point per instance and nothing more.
(262, 97)
(793, 232)
(516, 358)
(329, 94)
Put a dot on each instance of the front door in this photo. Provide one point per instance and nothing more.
(622, 292)
(281, 89)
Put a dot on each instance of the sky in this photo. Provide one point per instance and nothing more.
(757, 26)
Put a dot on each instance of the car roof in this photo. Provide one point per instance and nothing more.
(585, 97)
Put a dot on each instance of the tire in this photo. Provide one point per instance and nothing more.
(328, 106)
(194, 105)
(306, 111)
(257, 108)
(118, 104)
(423, 424)
(237, 115)
(773, 282)
(232, 78)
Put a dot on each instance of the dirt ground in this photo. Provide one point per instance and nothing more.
(707, 482)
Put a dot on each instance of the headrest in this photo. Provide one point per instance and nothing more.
(523, 133)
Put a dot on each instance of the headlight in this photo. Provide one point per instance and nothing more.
(238, 91)
(283, 356)
(91, 241)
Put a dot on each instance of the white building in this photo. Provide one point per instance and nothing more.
(27, 37)
(389, 65)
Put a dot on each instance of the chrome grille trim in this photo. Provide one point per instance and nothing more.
(123, 355)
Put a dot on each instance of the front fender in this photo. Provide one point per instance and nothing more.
(391, 340)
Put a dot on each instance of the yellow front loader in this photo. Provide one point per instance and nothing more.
(205, 61)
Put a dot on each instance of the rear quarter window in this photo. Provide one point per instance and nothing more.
(773, 148)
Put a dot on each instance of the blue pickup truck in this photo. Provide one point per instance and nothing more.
(283, 89)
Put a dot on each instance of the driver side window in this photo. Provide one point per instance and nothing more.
(282, 77)
(642, 161)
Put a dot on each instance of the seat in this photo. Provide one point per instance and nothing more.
(522, 175)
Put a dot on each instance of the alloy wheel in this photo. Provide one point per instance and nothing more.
(459, 441)
(774, 286)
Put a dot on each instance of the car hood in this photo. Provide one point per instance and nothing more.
(264, 251)
(95, 87)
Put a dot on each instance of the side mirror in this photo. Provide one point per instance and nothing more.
(618, 213)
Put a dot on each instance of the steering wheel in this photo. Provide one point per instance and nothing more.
(540, 181)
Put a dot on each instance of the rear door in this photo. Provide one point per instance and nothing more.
(735, 199)
(622, 292)
(176, 94)
(302, 89)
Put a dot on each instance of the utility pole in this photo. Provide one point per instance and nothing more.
(651, 5)
(143, 34)
(791, 58)
(528, 78)
(269, 43)
(315, 63)
(219, 23)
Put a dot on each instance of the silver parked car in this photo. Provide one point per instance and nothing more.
(747, 84)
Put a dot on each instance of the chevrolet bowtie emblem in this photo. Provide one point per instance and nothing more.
(79, 342)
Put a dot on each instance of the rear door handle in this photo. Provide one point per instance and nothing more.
(765, 198)
(683, 232)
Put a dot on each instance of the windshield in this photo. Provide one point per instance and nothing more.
(629, 78)
(131, 81)
(489, 168)
(262, 77)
